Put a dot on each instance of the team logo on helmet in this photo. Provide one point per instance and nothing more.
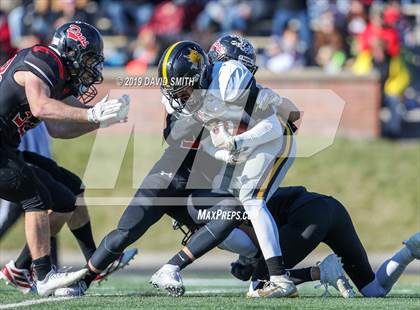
(218, 47)
(243, 45)
(195, 58)
(74, 32)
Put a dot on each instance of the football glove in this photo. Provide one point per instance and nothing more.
(108, 112)
(221, 138)
(267, 97)
(228, 157)
(243, 267)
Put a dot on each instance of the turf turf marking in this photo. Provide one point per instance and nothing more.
(32, 302)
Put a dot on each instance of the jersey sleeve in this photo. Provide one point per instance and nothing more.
(230, 80)
(46, 65)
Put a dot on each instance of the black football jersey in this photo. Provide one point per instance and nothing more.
(15, 115)
(289, 198)
(183, 135)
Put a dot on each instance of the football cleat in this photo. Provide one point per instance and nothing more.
(413, 244)
(18, 278)
(169, 279)
(332, 273)
(76, 290)
(55, 280)
(117, 265)
(281, 287)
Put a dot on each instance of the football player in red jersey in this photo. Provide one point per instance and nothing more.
(52, 84)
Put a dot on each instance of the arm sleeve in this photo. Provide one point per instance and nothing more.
(239, 242)
(265, 131)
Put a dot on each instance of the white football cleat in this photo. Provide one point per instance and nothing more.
(18, 278)
(332, 273)
(413, 244)
(117, 265)
(76, 290)
(281, 287)
(55, 280)
(169, 279)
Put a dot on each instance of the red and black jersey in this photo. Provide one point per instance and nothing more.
(15, 115)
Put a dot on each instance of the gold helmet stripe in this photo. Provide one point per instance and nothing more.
(165, 81)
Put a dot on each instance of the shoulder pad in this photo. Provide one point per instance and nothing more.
(45, 64)
(229, 80)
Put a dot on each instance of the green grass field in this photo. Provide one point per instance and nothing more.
(377, 180)
(208, 292)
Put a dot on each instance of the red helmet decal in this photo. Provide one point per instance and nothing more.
(218, 47)
(74, 32)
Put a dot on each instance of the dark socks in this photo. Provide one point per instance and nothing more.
(42, 266)
(90, 276)
(275, 266)
(24, 259)
(181, 260)
(261, 271)
(84, 237)
(299, 276)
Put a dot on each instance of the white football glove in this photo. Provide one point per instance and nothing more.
(221, 138)
(108, 112)
(227, 157)
(267, 97)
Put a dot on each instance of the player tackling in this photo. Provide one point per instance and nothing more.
(42, 83)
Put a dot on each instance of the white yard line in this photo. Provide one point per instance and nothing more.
(32, 302)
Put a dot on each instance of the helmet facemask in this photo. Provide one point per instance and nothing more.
(185, 100)
(85, 73)
(90, 74)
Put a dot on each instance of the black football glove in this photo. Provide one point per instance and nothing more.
(241, 272)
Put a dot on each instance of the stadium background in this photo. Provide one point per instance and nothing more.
(373, 168)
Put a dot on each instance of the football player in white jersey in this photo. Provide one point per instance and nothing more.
(256, 147)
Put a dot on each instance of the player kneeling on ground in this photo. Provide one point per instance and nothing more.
(306, 219)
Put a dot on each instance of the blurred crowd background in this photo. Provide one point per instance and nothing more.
(334, 35)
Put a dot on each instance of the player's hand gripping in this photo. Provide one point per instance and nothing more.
(228, 157)
(267, 97)
(108, 112)
(221, 138)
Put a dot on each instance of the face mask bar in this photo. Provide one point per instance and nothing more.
(186, 108)
(87, 94)
(188, 232)
(90, 74)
